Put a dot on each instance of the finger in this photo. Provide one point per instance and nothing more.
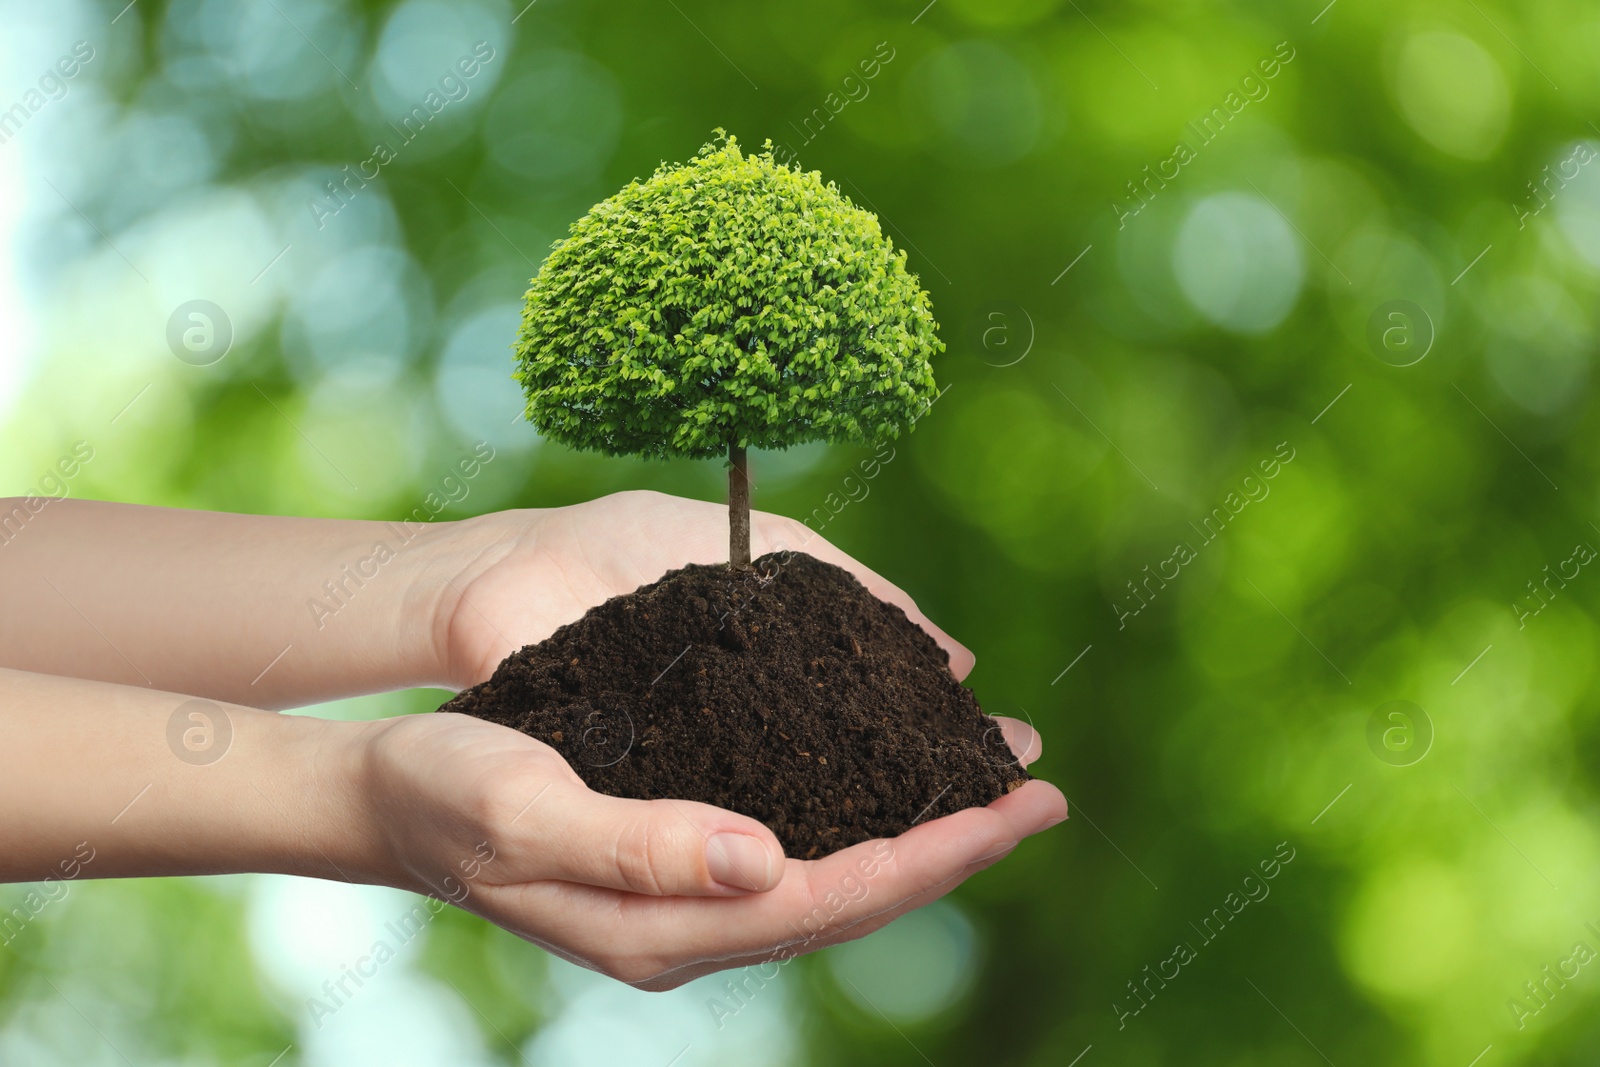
(1033, 806)
(638, 938)
(778, 533)
(650, 847)
(1023, 740)
(871, 924)
(849, 931)
(657, 942)
(838, 936)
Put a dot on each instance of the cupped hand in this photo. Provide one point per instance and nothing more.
(653, 893)
(532, 571)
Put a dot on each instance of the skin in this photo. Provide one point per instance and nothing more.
(119, 615)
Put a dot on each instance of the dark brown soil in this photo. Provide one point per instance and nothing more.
(787, 693)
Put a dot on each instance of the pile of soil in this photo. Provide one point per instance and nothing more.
(786, 692)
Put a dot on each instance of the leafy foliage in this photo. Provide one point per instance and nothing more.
(730, 300)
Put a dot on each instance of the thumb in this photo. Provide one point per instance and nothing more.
(656, 847)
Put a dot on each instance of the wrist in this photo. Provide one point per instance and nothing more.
(355, 819)
(160, 784)
(414, 823)
(440, 587)
(379, 595)
(308, 777)
(437, 562)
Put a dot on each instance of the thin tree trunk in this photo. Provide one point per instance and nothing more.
(738, 507)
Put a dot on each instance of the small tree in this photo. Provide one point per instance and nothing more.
(728, 303)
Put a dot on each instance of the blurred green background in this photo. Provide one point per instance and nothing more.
(1377, 252)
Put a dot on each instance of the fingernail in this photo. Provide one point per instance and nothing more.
(740, 861)
(1053, 822)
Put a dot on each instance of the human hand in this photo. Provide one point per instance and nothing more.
(639, 889)
(530, 572)
(464, 809)
(648, 892)
(282, 611)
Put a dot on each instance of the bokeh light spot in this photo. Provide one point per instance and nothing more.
(984, 102)
(1238, 262)
(912, 969)
(1452, 93)
(559, 122)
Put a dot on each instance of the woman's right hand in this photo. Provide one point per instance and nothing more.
(653, 893)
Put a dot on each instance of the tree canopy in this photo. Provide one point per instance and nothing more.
(726, 302)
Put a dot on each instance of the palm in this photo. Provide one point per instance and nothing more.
(536, 571)
(466, 781)
(462, 781)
